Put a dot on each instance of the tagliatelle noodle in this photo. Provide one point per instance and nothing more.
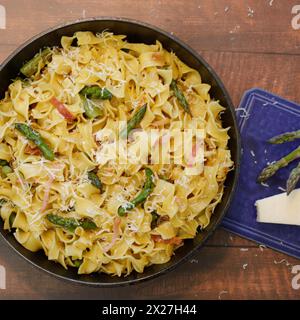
(135, 74)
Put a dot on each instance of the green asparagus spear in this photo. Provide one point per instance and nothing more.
(293, 179)
(12, 218)
(87, 224)
(134, 121)
(155, 217)
(3, 163)
(285, 137)
(271, 169)
(31, 67)
(95, 92)
(142, 196)
(95, 181)
(71, 224)
(180, 96)
(5, 168)
(34, 136)
(91, 109)
(2, 201)
(77, 263)
(165, 67)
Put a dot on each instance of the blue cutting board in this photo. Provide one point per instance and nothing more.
(262, 115)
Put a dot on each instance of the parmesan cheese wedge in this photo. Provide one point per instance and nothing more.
(280, 208)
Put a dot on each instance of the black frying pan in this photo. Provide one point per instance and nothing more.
(136, 32)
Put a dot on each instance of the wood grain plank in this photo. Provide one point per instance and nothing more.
(259, 51)
(210, 272)
(220, 25)
(239, 71)
(224, 238)
(279, 74)
(5, 51)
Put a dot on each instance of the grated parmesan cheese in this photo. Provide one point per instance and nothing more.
(282, 261)
(262, 247)
(250, 12)
(265, 184)
(245, 113)
(194, 261)
(281, 189)
(222, 293)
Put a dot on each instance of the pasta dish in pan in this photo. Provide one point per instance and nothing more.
(69, 189)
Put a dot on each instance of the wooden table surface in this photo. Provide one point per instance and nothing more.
(249, 44)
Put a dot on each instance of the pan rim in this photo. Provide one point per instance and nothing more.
(122, 280)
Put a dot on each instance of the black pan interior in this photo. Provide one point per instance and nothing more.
(136, 32)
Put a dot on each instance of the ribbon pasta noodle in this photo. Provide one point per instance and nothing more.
(35, 189)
